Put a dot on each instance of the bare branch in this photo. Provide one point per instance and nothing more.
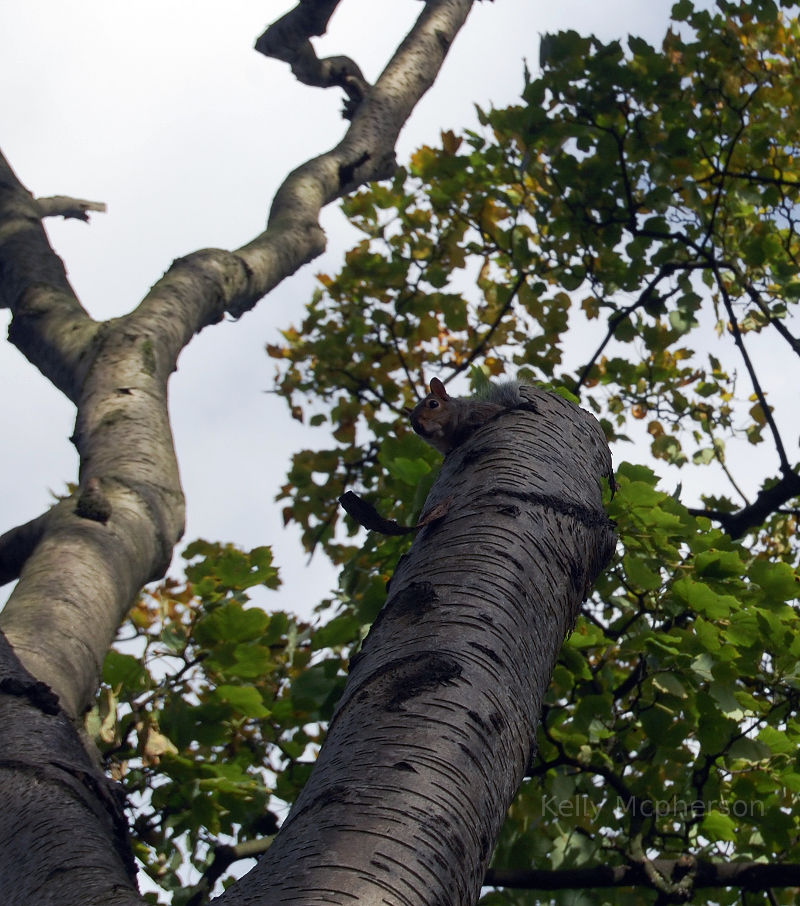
(68, 208)
(724, 466)
(117, 373)
(17, 544)
(288, 40)
(365, 153)
(786, 469)
(769, 501)
(744, 875)
(49, 325)
(83, 573)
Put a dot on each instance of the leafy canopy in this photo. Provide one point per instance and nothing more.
(627, 232)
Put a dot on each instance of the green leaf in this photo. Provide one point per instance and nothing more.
(718, 564)
(125, 671)
(703, 599)
(410, 471)
(779, 581)
(640, 574)
(718, 826)
(749, 750)
(245, 699)
(669, 683)
(231, 622)
(315, 689)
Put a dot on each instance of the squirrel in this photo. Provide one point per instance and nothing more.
(446, 421)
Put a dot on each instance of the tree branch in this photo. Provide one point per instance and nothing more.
(744, 875)
(49, 325)
(17, 544)
(367, 150)
(481, 345)
(288, 40)
(792, 340)
(768, 501)
(616, 319)
(68, 208)
(117, 372)
(786, 469)
(118, 532)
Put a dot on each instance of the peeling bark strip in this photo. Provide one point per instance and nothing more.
(407, 799)
(16, 681)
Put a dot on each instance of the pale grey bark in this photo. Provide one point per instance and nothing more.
(436, 726)
(69, 208)
(81, 565)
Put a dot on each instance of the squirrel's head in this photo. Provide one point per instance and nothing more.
(430, 418)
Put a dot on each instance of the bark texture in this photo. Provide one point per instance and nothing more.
(437, 724)
(81, 564)
(54, 800)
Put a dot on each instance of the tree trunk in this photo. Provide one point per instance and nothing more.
(437, 724)
(57, 808)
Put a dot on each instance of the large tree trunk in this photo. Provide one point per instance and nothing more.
(437, 723)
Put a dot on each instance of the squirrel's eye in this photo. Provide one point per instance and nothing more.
(433, 404)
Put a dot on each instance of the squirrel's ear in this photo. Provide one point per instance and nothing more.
(437, 389)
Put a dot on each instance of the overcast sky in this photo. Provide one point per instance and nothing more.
(162, 110)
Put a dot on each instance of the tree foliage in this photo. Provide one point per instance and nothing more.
(208, 724)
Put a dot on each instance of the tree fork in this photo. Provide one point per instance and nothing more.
(407, 799)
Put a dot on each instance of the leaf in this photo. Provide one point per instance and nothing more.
(156, 746)
(640, 574)
(779, 581)
(718, 826)
(231, 622)
(670, 684)
(703, 599)
(245, 699)
(125, 671)
(409, 471)
(314, 690)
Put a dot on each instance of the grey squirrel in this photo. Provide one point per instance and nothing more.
(446, 421)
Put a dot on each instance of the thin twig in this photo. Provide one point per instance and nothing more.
(737, 338)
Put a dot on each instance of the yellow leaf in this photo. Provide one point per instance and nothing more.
(157, 745)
